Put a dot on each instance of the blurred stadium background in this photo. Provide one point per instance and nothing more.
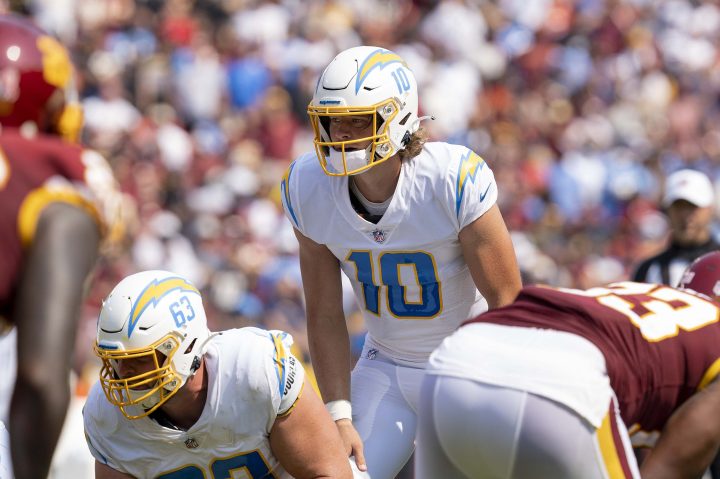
(580, 107)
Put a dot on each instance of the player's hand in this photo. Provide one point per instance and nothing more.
(352, 442)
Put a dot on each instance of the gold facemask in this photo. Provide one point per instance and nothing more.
(345, 163)
(149, 390)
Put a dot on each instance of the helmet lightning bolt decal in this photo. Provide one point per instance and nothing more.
(153, 293)
(379, 58)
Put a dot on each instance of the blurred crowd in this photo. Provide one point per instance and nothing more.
(581, 108)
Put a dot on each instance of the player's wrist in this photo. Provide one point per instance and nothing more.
(339, 409)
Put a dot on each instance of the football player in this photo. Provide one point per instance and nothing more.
(416, 228)
(561, 383)
(57, 204)
(175, 400)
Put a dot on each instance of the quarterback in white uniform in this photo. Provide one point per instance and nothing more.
(177, 401)
(416, 228)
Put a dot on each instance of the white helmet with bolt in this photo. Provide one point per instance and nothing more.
(364, 81)
(155, 315)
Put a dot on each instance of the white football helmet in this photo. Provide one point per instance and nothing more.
(364, 81)
(153, 314)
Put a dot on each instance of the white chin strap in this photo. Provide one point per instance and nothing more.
(354, 160)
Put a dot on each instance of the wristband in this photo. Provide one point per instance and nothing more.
(340, 409)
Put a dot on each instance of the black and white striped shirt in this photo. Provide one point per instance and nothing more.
(667, 266)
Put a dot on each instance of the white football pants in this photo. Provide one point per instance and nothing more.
(6, 470)
(385, 399)
(8, 371)
(469, 429)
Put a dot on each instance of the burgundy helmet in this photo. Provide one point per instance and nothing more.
(37, 81)
(703, 275)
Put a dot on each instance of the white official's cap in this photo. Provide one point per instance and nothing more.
(689, 185)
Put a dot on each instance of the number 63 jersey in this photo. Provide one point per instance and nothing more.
(408, 273)
(252, 379)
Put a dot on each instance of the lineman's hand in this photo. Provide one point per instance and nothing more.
(352, 442)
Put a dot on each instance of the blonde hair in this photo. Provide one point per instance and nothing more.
(415, 145)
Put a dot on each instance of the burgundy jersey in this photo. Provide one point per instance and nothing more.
(660, 344)
(33, 174)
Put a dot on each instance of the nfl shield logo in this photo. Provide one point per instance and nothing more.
(379, 236)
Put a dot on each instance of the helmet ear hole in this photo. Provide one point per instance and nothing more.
(191, 346)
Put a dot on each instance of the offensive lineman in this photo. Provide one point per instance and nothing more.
(177, 401)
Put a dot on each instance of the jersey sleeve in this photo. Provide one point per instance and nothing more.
(472, 188)
(289, 195)
(271, 373)
(85, 180)
(114, 209)
(288, 370)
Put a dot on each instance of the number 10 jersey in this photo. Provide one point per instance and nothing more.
(408, 273)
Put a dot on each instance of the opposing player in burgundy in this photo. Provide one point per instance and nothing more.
(58, 202)
(562, 382)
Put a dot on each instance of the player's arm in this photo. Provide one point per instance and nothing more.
(306, 441)
(106, 472)
(327, 332)
(690, 439)
(46, 313)
(490, 256)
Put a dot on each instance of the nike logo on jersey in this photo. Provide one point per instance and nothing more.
(484, 194)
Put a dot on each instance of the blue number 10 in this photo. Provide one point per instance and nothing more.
(430, 303)
(401, 80)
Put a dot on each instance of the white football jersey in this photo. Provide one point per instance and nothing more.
(408, 272)
(252, 379)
